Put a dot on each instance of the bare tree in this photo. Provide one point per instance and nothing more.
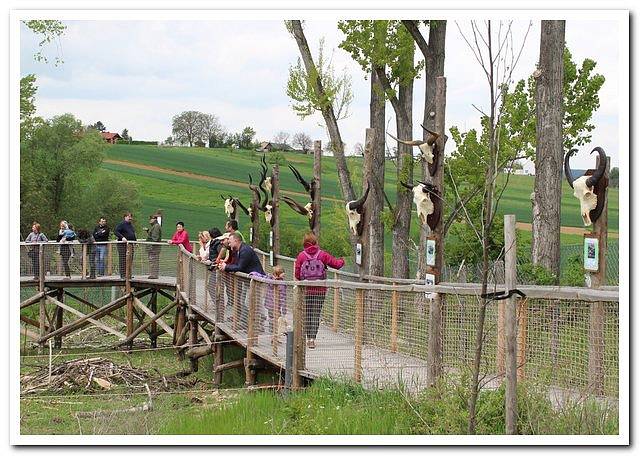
(303, 141)
(497, 56)
(211, 128)
(545, 243)
(282, 137)
(318, 99)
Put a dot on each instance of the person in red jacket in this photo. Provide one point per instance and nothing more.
(181, 236)
(311, 264)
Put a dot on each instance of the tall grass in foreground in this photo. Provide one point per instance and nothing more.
(338, 408)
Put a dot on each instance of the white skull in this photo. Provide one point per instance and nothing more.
(267, 184)
(228, 207)
(427, 152)
(354, 219)
(588, 199)
(250, 211)
(423, 203)
(308, 207)
(268, 213)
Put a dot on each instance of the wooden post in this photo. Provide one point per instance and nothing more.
(84, 261)
(359, 334)
(394, 320)
(109, 258)
(500, 349)
(59, 315)
(317, 173)
(336, 304)
(193, 340)
(153, 303)
(275, 182)
(255, 222)
(218, 354)
(127, 287)
(367, 179)
(434, 350)
(236, 302)
(274, 321)
(597, 309)
(43, 301)
(511, 323)
(250, 375)
(298, 336)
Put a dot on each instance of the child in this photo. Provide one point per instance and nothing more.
(275, 301)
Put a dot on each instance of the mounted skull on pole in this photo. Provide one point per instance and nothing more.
(307, 210)
(429, 149)
(230, 206)
(589, 188)
(428, 202)
(355, 209)
(267, 205)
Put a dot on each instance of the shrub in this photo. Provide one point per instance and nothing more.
(533, 274)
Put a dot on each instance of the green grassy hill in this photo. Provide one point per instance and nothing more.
(235, 165)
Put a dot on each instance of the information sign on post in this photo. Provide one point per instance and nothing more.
(591, 253)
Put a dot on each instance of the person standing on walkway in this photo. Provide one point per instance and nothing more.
(154, 234)
(66, 236)
(311, 264)
(181, 236)
(124, 232)
(35, 236)
(101, 234)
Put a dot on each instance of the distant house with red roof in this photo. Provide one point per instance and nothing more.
(111, 138)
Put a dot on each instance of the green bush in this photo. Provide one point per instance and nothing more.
(573, 272)
(532, 274)
(277, 158)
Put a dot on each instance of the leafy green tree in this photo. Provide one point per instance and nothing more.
(28, 91)
(49, 30)
(246, 137)
(614, 177)
(60, 177)
(125, 135)
(98, 126)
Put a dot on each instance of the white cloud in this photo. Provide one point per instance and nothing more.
(138, 74)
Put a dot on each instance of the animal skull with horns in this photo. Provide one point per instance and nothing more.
(428, 209)
(355, 209)
(589, 188)
(427, 147)
(229, 206)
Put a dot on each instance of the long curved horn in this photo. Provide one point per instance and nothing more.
(434, 136)
(357, 204)
(295, 205)
(299, 178)
(244, 209)
(408, 143)
(406, 185)
(592, 181)
(567, 168)
(223, 198)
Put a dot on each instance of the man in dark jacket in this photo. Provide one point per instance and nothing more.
(124, 232)
(101, 234)
(154, 234)
(245, 260)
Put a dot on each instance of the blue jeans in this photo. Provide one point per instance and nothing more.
(101, 255)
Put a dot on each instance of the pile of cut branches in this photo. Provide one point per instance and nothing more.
(82, 374)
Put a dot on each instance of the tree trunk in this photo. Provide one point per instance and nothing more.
(404, 198)
(549, 154)
(327, 113)
(376, 197)
(434, 67)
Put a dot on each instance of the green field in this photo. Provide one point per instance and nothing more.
(237, 164)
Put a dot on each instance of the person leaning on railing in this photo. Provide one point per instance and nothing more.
(35, 236)
(124, 232)
(154, 234)
(66, 235)
(181, 236)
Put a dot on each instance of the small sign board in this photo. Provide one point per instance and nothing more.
(591, 253)
(429, 279)
(271, 258)
(250, 234)
(430, 251)
(358, 254)
(270, 238)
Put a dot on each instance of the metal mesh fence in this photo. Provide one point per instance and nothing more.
(375, 333)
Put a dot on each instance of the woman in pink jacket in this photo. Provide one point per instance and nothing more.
(311, 264)
(181, 236)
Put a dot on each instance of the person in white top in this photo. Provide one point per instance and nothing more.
(204, 238)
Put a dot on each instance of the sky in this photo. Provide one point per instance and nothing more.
(137, 75)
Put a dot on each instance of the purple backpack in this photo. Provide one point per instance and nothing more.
(312, 268)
